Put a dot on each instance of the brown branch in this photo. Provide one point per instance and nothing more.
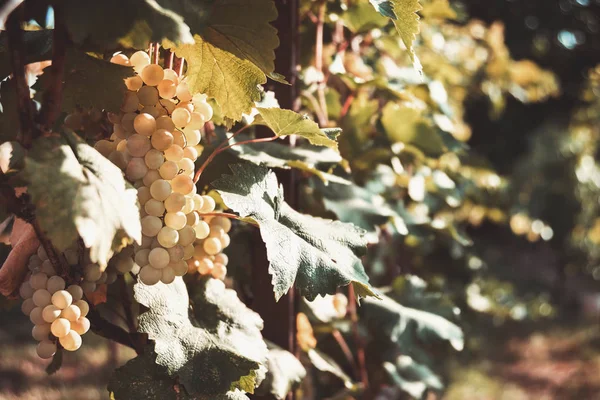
(52, 97)
(156, 53)
(339, 338)
(169, 61)
(319, 62)
(360, 351)
(17, 59)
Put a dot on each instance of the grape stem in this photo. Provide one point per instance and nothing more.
(222, 147)
(156, 52)
(339, 338)
(231, 216)
(108, 330)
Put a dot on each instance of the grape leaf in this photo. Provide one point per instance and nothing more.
(141, 378)
(232, 54)
(283, 372)
(37, 46)
(318, 254)
(132, 23)
(404, 123)
(24, 244)
(231, 81)
(437, 9)
(287, 122)
(238, 27)
(412, 377)
(404, 326)
(89, 82)
(78, 192)
(362, 18)
(404, 15)
(213, 349)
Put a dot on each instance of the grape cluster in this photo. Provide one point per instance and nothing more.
(58, 312)
(155, 142)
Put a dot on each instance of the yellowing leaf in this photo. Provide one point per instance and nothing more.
(407, 25)
(234, 49)
(287, 122)
(437, 9)
(231, 81)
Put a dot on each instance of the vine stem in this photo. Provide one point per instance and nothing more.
(229, 215)
(169, 60)
(17, 60)
(156, 52)
(323, 119)
(52, 97)
(108, 330)
(360, 352)
(221, 149)
(347, 352)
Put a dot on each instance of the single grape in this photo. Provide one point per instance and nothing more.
(162, 139)
(192, 136)
(55, 283)
(92, 272)
(202, 230)
(168, 275)
(138, 145)
(152, 74)
(169, 169)
(76, 292)
(130, 102)
(180, 267)
(191, 153)
(182, 184)
(60, 327)
(189, 204)
(158, 258)
(224, 222)
(212, 246)
(118, 158)
(50, 313)
(154, 207)
(151, 225)
(175, 202)
(71, 341)
(29, 305)
(168, 105)
(192, 219)
(171, 75)
(38, 280)
(40, 332)
(141, 256)
(149, 275)
(104, 147)
(174, 153)
(150, 177)
(136, 169)
(62, 299)
(183, 93)
(165, 122)
(41, 253)
(225, 240)
(154, 159)
(197, 121)
(186, 165)
(175, 220)
(148, 95)
(46, 349)
(139, 60)
(216, 231)
(179, 138)
(154, 111)
(167, 89)
(167, 237)
(222, 258)
(205, 109)
(88, 287)
(176, 252)
(208, 205)
(127, 121)
(143, 195)
(205, 266)
(120, 59)
(160, 189)
(181, 117)
(81, 326)
(187, 236)
(36, 316)
(41, 298)
(219, 271)
(144, 124)
(188, 252)
(134, 83)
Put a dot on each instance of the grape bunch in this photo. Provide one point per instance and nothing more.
(58, 312)
(155, 142)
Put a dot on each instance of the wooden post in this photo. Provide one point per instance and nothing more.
(279, 317)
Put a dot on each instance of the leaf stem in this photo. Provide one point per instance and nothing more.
(221, 149)
(25, 104)
(52, 97)
(346, 350)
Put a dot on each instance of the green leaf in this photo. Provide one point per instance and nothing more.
(232, 54)
(437, 9)
(323, 362)
(287, 122)
(77, 192)
(405, 123)
(284, 370)
(132, 23)
(90, 82)
(405, 326)
(212, 349)
(357, 125)
(362, 17)
(37, 46)
(319, 255)
(404, 15)
(9, 118)
(231, 81)
(412, 377)
(141, 378)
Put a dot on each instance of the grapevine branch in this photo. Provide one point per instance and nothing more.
(52, 97)
(364, 376)
(108, 330)
(323, 120)
(17, 60)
